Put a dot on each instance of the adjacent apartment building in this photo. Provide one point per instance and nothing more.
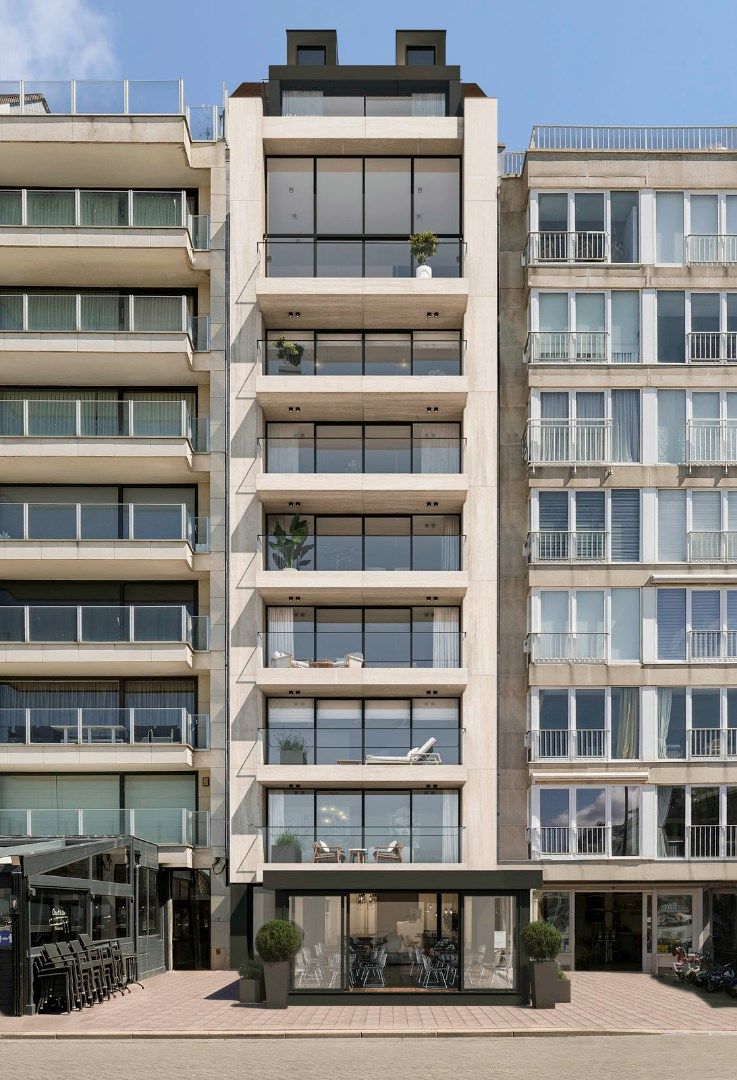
(618, 518)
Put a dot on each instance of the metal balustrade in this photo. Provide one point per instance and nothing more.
(709, 743)
(568, 247)
(567, 648)
(711, 442)
(60, 418)
(168, 826)
(712, 347)
(709, 545)
(511, 162)
(389, 454)
(709, 645)
(419, 844)
(571, 840)
(164, 726)
(373, 355)
(711, 842)
(351, 553)
(632, 137)
(569, 442)
(566, 745)
(560, 546)
(711, 249)
(144, 522)
(103, 624)
(571, 347)
(50, 312)
(321, 745)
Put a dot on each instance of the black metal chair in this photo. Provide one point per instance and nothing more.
(52, 984)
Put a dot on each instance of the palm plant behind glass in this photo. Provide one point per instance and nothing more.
(291, 550)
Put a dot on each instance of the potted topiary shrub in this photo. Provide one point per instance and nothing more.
(289, 352)
(286, 848)
(542, 942)
(276, 943)
(423, 246)
(251, 982)
(292, 750)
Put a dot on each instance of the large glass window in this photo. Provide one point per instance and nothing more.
(671, 722)
(437, 195)
(388, 196)
(671, 426)
(625, 226)
(672, 327)
(669, 227)
(290, 196)
(489, 935)
(339, 195)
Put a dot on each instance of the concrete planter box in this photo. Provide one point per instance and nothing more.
(286, 853)
(545, 984)
(292, 757)
(250, 991)
(276, 978)
(563, 991)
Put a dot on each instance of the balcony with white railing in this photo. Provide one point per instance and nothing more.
(711, 249)
(571, 841)
(561, 546)
(711, 646)
(561, 246)
(646, 139)
(712, 347)
(572, 443)
(711, 842)
(562, 744)
(711, 546)
(99, 727)
(711, 744)
(711, 442)
(574, 347)
(166, 826)
(567, 648)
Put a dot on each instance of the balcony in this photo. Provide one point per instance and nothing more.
(320, 102)
(355, 745)
(560, 546)
(701, 842)
(362, 844)
(166, 826)
(712, 346)
(571, 841)
(82, 727)
(711, 442)
(709, 249)
(711, 546)
(573, 443)
(307, 257)
(434, 647)
(560, 246)
(711, 646)
(566, 648)
(373, 355)
(562, 744)
(400, 454)
(577, 347)
(712, 744)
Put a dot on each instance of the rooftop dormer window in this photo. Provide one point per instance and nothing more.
(421, 55)
(311, 56)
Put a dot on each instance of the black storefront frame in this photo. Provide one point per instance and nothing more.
(302, 336)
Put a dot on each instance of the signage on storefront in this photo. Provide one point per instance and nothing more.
(59, 920)
(6, 939)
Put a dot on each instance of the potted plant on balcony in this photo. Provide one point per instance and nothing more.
(276, 943)
(289, 352)
(292, 750)
(289, 550)
(542, 942)
(423, 246)
(251, 982)
(286, 848)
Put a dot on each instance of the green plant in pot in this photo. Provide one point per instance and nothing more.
(423, 246)
(286, 848)
(292, 750)
(542, 942)
(251, 982)
(289, 352)
(276, 943)
(290, 550)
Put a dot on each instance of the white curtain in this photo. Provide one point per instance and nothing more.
(665, 794)
(428, 104)
(157, 209)
(665, 707)
(281, 631)
(445, 638)
(283, 448)
(157, 313)
(103, 312)
(302, 103)
(52, 311)
(450, 544)
(437, 448)
(671, 426)
(626, 425)
(450, 853)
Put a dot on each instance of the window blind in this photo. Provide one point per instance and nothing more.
(626, 525)
(553, 510)
(671, 617)
(672, 526)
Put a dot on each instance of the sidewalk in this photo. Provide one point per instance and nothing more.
(201, 1004)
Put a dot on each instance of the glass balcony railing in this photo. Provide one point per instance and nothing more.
(170, 826)
(338, 744)
(707, 743)
(101, 313)
(390, 356)
(354, 454)
(705, 646)
(355, 552)
(103, 624)
(434, 647)
(569, 442)
(110, 418)
(572, 840)
(560, 246)
(363, 843)
(308, 257)
(111, 97)
(325, 103)
(146, 522)
(713, 545)
(103, 727)
(711, 442)
(711, 249)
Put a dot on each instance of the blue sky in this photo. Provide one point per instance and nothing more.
(652, 61)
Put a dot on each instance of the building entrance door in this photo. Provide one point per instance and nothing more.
(609, 931)
(190, 891)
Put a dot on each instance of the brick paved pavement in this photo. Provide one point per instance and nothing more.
(672, 1057)
(204, 1003)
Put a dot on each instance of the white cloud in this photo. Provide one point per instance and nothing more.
(55, 39)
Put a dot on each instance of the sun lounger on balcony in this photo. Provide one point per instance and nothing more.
(391, 853)
(418, 755)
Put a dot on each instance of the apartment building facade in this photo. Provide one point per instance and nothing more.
(617, 517)
(112, 509)
(363, 538)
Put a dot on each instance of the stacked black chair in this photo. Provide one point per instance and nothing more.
(76, 974)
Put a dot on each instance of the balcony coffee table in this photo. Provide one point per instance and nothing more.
(357, 854)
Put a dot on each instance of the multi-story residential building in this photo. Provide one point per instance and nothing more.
(112, 505)
(618, 500)
(363, 525)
